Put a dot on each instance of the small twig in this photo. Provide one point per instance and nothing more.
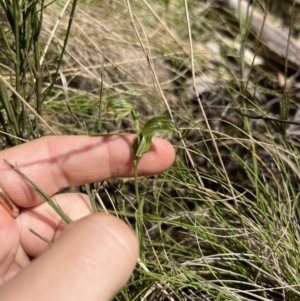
(270, 119)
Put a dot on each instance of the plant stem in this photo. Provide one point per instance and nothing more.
(140, 210)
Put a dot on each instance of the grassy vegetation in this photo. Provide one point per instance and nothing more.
(223, 222)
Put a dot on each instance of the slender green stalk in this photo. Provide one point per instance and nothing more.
(11, 116)
(140, 210)
(285, 107)
(48, 242)
(67, 35)
(99, 126)
(16, 30)
(91, 198)
(37, 23)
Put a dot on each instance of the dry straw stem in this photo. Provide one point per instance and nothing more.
(202, 110)
(149, 59)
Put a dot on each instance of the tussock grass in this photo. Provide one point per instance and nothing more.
(223, 222)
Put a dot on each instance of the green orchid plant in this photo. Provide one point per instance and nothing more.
(122, 107)
(142, 143)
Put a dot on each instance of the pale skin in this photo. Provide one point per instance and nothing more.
(90, 259)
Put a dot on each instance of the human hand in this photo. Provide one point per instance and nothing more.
(92, 258)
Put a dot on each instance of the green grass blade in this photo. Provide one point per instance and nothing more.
(41, 193)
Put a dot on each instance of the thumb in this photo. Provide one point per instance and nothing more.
(91, 260)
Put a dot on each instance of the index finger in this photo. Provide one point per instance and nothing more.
(56, 162)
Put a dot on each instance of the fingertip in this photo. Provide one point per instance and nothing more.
(92, 259)
(112, 231)
(160, 157)
(166, 149)
(9, 237)
(114, 249)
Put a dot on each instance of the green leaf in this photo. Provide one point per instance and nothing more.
(121, 106)
(142, 147)
(143, 144)
(158, 124)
